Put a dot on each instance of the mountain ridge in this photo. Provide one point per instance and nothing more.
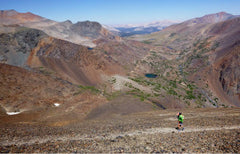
(83, 33)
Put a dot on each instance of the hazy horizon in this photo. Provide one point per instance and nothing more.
(110, 12)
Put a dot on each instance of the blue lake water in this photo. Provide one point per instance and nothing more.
(150, 75)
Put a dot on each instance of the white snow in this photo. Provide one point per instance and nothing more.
(13, 113)
(56, 104)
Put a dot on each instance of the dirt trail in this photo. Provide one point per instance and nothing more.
(21, 141)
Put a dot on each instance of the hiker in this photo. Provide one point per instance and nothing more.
(180, 121)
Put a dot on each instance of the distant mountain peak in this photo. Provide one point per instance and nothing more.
(143, 28)
(14, 17)
(213, 18)
(148, 24)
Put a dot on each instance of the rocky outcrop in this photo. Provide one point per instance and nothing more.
(15, 47)
(87, 29)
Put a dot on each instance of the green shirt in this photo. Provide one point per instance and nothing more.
(180, 118)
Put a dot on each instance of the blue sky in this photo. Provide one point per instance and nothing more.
(121, 11)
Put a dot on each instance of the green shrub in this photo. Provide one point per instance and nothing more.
(89, 88)
(189, 95)
(173, 83)
(171, 92)
(147, 42)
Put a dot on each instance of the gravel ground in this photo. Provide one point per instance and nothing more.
(206, 130)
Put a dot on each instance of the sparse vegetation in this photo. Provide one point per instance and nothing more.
(147, 42)
(89, 88)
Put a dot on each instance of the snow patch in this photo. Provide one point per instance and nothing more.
(13, 113)
(56, 104)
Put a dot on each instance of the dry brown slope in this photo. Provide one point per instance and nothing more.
(36, 94)
(22, 46)
(73, 62)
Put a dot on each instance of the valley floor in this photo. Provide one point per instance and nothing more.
(206, 130)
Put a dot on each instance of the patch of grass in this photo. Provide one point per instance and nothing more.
(172, 34)
(171, 91)
(153, 53)
(157, 87)
(147, 42)
(112, 95)
(45, 71)
(189, 95)
(89, 88)
(173, 83)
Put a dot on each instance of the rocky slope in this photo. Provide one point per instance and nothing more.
(75, 63)
(206, 131)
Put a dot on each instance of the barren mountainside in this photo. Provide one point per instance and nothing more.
(32, 48)
(68, 87)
